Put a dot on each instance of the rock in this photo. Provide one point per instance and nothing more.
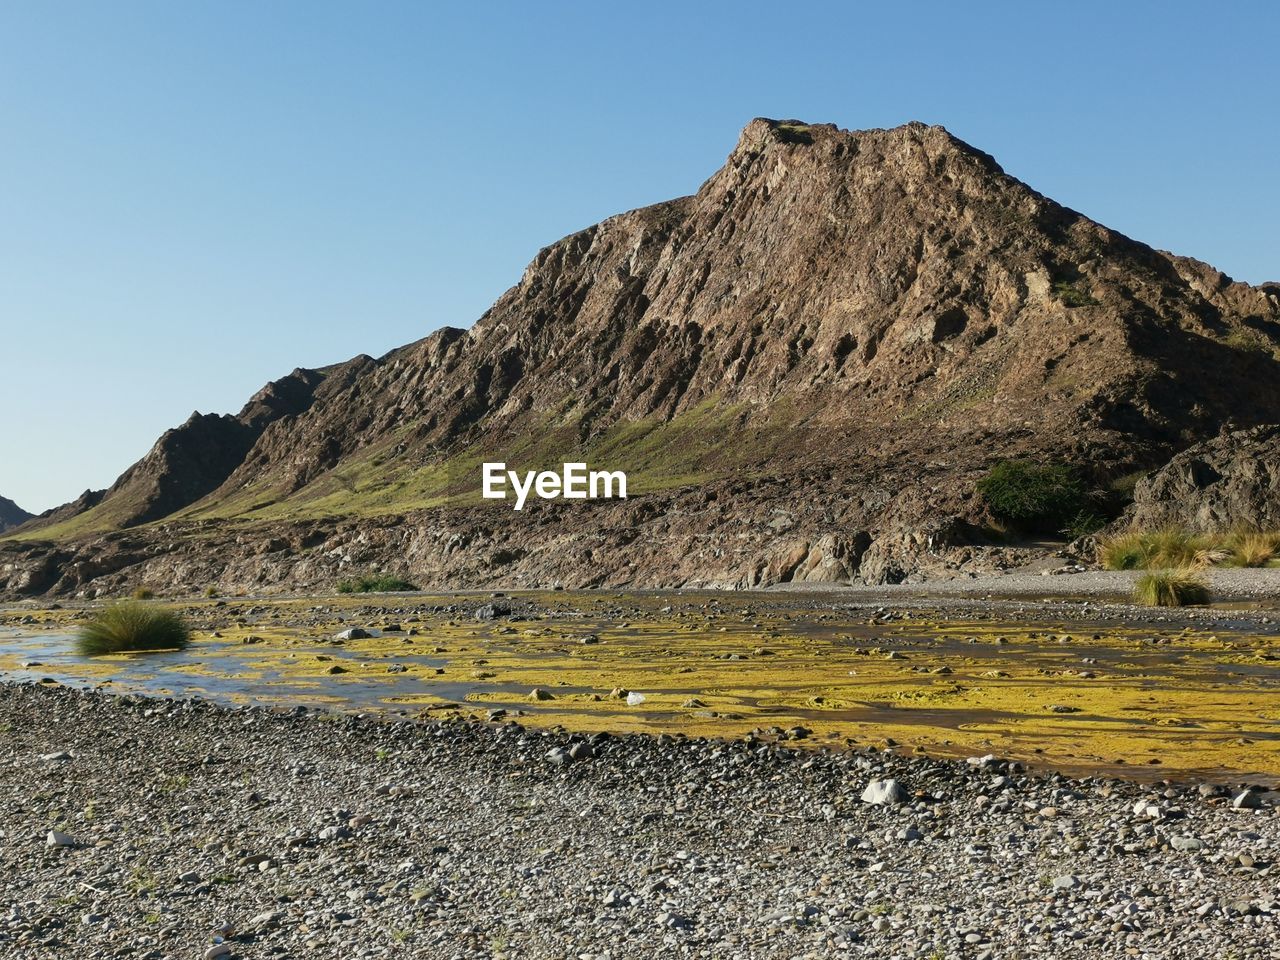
(582, 751)
(217, 951)
(1247, 800)
(57, 757)
(674, 921)
(1066, 882)
(352, 633)
(1186, 844)
(537, 693)
(988, 762)
(560, 757)
(884, 793)
(1229, 481)
(635, 699)
(266, 920)
(491, 611)
(56, 839)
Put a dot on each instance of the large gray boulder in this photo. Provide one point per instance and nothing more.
(1230, 481)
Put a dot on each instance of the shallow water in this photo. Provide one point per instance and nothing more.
(1156, 700)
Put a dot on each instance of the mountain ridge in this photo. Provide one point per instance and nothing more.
(827, 306)
(11, 515)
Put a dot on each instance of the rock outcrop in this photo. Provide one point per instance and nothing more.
(1231, 481)
(804, 367)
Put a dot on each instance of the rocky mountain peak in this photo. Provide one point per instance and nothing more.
(870, 318)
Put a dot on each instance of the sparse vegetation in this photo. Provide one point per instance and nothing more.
(376, 583)
(1170, 588)
(1072, 295)
(132, 627)
(143, 593)
(794, 133)
(211, 592)
(1084, 524)
(1249, 341)
(1174, 547)
(1036, 498)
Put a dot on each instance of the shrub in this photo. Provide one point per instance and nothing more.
(1072, 295)
(1170, 588)
(143, 593)
(1083, 524)
(1040, 498)
(211, 592)
(376, 583)
(127, 627)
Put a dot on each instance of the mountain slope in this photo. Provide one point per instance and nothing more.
(867, 318)
(11, 515)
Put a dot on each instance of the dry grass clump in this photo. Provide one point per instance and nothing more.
(1252, 548)
(1170, 588)
(1171, 548)
(132, 627)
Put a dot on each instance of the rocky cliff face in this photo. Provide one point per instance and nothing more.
(11, 515)
(1230, 481)
(803, 367)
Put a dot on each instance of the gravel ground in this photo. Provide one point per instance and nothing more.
(1062, 580)
(186, 830)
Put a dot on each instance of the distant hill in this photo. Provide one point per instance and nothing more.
(804, 368)
(11, 515)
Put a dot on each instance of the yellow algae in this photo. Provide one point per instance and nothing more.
(1087, 696)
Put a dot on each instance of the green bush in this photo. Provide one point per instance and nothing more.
(143, 593)
(1072, 295)
(129, 627)
(1170, 588)
(1037, 498)
(376, 583)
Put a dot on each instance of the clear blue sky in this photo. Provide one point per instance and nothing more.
(196, 197)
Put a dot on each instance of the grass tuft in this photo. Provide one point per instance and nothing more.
(376, 583)
(1252, 549)
(130, 627)
(143, 593)
(1174, 547)
(1170, 588)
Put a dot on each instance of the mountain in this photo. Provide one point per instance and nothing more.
(11, 515)
(803, 368)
